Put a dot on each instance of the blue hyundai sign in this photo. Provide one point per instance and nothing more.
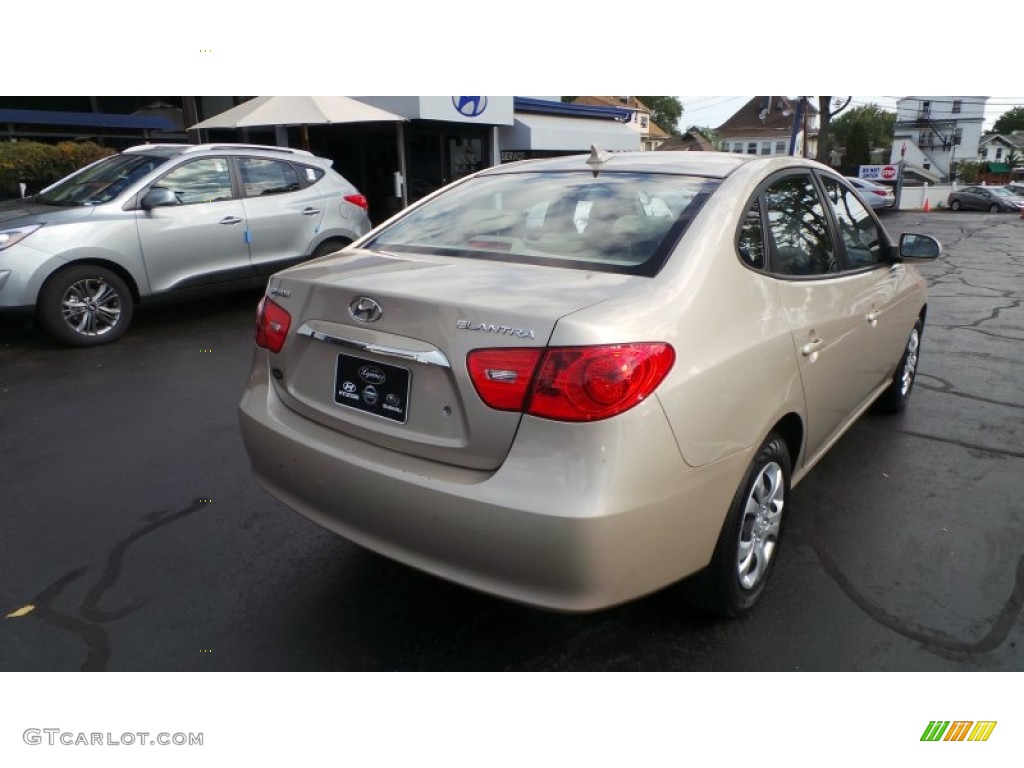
(470, 106)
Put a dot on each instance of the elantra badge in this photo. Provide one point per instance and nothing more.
(504, 330)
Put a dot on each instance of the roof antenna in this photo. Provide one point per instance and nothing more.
(597, 159)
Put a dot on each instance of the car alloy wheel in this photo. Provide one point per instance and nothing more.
(895, 397)
(759, 530)
(910, 363)
(85, 306)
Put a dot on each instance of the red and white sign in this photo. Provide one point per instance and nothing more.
(883, 172)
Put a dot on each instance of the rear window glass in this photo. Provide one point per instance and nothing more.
(620, 222)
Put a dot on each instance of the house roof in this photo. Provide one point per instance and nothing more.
(654, 130)
(1000, 138)
(691, 141)
(629, 102)
(746, 120)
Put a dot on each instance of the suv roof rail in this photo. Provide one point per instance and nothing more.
(261, 147)
(145, 147)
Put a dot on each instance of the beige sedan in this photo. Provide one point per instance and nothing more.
(572, 382)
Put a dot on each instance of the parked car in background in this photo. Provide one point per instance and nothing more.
(167, 218)
(1015, 188)
(572, 382)
(991, 199)
(878, 196)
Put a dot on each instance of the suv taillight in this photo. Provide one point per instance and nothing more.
(272, 323)
(359, 200)
(570, 383)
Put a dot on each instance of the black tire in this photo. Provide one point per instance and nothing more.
(955, 205)
(896, 396)
(329, 246)
(994, 208)
(748, 544)
(85, 306)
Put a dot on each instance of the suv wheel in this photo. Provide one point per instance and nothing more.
(85, 306)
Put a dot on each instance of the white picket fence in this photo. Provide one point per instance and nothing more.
(912, 198)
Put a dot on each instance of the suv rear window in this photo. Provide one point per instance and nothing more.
(618, 222)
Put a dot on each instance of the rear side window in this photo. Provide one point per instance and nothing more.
(311, 175)
(751, 239)
(261, 176)
(619, 222)
(799, 228)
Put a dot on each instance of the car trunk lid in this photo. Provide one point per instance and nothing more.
(378, 344)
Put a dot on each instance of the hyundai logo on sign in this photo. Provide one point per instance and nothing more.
(470, 106)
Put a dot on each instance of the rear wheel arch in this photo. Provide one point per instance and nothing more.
(330, 245)
(791, 429)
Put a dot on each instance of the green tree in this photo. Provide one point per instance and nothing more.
(1010, 121)
(967, 171)
(858, 146)
(871, 122)
(826, 111)
(665, 111)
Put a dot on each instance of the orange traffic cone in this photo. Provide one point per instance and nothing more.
(927, 205)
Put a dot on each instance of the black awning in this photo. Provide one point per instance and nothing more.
(86, 119)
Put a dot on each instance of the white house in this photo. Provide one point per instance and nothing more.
(934, 132)
(995, 147)
(765, 125)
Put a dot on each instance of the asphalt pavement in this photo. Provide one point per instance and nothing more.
(133, 537)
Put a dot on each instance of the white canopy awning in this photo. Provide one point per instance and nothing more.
(571, 134)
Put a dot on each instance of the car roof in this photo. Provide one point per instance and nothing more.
(709, 164)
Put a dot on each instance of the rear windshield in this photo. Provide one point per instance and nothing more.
(617, 222)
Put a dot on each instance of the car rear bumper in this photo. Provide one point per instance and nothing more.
(606, 513)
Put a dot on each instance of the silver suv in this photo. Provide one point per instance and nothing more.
(163, 218)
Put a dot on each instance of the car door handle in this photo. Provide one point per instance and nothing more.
(310, 211)
(231, 220)
(872, 316)
(811, 347)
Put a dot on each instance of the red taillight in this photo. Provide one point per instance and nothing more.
(272, 323)
(359, 200)
(570, 383)
(502, 376)
(882, 192)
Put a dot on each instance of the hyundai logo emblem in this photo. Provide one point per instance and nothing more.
(470, 106)
(365, 310)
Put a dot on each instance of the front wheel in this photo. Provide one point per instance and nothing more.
(748, 543)
(994, 208)
(955, 205)
(85, 306)
(894, 399)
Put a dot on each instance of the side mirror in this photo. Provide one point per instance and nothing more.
(158, 197)
(919, 248)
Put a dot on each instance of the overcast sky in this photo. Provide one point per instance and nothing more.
(712, 111)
